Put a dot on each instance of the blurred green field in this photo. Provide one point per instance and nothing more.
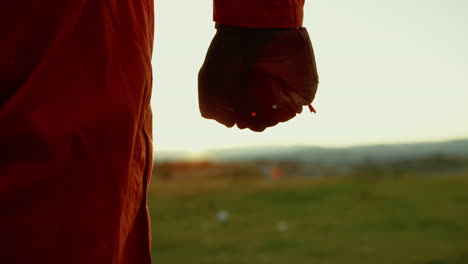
(335, 220)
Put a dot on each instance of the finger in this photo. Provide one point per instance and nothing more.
(259, 125)
(262, 127)
(258, 129)
(284, 113)
(220, 113)
(293, 101)
(261, 121)
(242, 124)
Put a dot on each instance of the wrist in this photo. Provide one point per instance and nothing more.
(234, 29)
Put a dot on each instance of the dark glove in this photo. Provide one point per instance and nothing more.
(256, 78)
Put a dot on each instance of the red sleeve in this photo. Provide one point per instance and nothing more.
(259, 13)
(75, 131)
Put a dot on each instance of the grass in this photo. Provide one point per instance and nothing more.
(336, 220)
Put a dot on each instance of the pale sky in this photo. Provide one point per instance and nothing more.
(390, 71)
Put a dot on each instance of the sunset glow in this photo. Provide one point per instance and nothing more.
(384, 67)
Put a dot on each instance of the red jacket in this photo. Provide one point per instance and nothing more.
(259, 13)
(75, 124)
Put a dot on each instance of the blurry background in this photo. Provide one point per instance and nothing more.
(378, 175)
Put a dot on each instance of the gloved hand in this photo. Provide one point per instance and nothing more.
(256, 78)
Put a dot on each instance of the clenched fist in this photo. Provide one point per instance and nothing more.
(256, 78)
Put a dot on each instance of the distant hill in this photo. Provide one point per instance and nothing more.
(346, 155)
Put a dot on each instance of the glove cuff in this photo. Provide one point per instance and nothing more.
(259, 13)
